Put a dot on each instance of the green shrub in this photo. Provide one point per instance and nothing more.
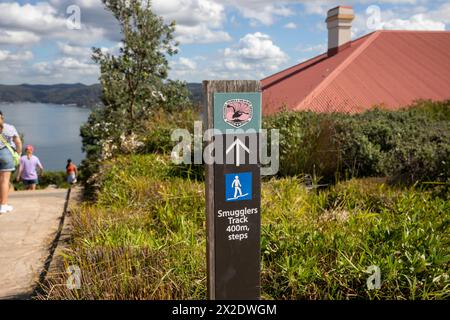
(155, 135)
(304, 138)
(158, 130)
(58, 178)
(409, 145)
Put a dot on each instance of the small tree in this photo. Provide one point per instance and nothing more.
(135, 81)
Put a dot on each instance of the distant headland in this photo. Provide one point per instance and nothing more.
(76, 94)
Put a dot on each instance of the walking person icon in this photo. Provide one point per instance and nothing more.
(238, 186)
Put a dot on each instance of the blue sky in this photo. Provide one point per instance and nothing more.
(227, 39)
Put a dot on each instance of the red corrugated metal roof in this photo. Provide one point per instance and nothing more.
(389, 68)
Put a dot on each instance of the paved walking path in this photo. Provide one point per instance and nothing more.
(25, 237)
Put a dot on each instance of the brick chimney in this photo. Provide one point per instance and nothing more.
(339, 24)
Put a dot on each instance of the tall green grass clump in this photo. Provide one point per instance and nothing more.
(145, 239)
(320, 246)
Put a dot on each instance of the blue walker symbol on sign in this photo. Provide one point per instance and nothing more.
(238, 186)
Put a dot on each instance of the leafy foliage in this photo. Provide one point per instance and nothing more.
(134, 86)
(134, 83)
(408, 145)
(159, 128)
(145, 239)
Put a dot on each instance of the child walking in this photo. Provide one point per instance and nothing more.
(29, 164)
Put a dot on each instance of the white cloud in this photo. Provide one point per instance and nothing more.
(183, 67)
(261, 11)
(416, 22)
(39, 17)
(441, 14)
(200, 34)
(191, 12)
(34, 22)
(71, 64)
(309, 51)
(6, 55)
(290, 25)
(86, 36)
(198, 21)
(319, 7)
(85, 53)
(266, 15)
(253, 57)
(188, 63)
(42, 68)
(408, 18)
(18, 37)
(316, 48)
(255, 53)
(77, 51)
(113, 50)
(75, 62)
(95, 18)
(67, 69)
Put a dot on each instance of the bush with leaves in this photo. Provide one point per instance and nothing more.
(159, 128)
(134, 83)
(409, 145)
(305, 137)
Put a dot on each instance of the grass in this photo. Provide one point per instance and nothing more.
(338, 234)
(145, 239)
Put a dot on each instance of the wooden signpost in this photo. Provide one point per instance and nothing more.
(233, 190)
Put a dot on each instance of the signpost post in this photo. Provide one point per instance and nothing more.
(233, 190)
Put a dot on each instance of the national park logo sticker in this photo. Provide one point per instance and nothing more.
(237, 112)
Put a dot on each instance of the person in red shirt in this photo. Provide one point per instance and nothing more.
(71, 171)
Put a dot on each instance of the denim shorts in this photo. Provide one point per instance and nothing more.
(6, 160)
(30, 182)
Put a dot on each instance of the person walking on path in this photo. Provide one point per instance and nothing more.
(29, 164)
(237, 187)
(10, 150)
(71, 171)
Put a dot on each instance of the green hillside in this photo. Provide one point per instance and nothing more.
(79, 94)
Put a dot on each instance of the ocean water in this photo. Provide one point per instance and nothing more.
(53, 130)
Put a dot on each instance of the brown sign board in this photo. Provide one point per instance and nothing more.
(233, 196)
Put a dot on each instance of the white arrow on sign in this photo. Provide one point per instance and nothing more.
(238, 143)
